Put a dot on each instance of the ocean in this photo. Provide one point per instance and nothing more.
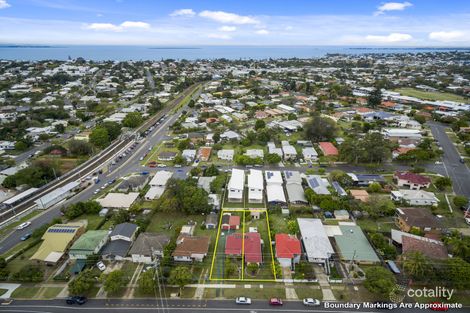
(135, 53)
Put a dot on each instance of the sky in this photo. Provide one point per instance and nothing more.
(413, 23)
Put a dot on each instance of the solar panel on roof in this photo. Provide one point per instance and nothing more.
(313, 183)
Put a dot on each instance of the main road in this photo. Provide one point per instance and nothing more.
(124, 167)
(456, 170)
(183, 305)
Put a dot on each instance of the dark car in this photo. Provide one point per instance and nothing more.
(275, 301)
(26, 237)
(76, 300)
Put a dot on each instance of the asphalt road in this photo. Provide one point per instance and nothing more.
(457, 171)
(180, 305)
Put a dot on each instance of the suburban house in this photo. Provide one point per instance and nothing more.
(120, 241)
(233, 245)
(288, 250)
(236, 185)
(295, 191)
(205, 183)
(318, 184)
(274, 188)
(133, 183)
(211, 220)
(401, 133)
(359, 194)
(230, 221)
(254, 153)
(158, 185)
(364, 180)
(252, 248)
(188, 154)
(288, 151)
(315, 242)
(114, 200)
(191, 249)
(310, 154)
(147, 247)
(55, 242)
(273, 150)
(226, 154)
(415, 197)
(167, 156)
(339, 190)
(204, 153)
(432, 248)
(353, 245)
(417, 218)
(255, 186)
(411, 180)
(89, 243)
(328, 149)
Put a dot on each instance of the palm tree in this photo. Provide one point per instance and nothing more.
(416, 265)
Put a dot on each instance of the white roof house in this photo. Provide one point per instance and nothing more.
(315, 240)
(160, 179)
(318, 184)
(310, 153)
(273, 150)
(288, 151)
(118, 200)
(415, 197)
(295, 191)
(401, 133)
(255, 186)
(236, 185)
(226, 154)
(56, 195)
(189, 154)
(230, 134)
(154, 193)
(254, 153)
(274, 189)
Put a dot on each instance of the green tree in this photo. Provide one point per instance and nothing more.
(115, 281)
(82, 284)
(259, 124)
(320, 129)
(293, 226)
(460, 201)
(292, 117)
(252, 268)
(79, 147)
(147, 282)
(443, 182)
(341, 177)
(379, 280)
(120, 217)
(374, 187)
(272, 158)
(416, 265)
(100, 137)
(211, 171)
(456, 271)
(375, 98)
(230, 268)
(113, 128)
(180, 276)
(132, 120)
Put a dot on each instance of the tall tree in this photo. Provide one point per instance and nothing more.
(375, 98)
(320, 129)
(180, 276)
(416, 265)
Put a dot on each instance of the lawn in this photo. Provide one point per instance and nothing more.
(11, 227)
(94, 220)
(51, 292)
(384, 224)
(430, 95)
(167, 222)
(255, 292)
(25, 292)
(308, 291)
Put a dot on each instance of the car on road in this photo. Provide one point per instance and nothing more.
(101, 266)
(161, 165)
(141, 158)
(76, 300)
(96, 191)
(112, 181)
(243, 300)
(23, 225)
(461, 160)
(26, 237)
(311, 302)
(152, 164)
(275, 301)
(6, 301)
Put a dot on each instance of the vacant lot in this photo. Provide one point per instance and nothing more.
(430, 95)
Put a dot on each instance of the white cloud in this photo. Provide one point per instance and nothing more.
(130, 24)
(183, 12)
(447, 36)
(391, 38)
(227, 28)
(228, 18)
(103, 27)
(219, 36)
(4, 4)
(262, 32)
(392, 6)
(117, 28)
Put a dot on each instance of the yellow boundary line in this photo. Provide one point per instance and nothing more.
(243, 238)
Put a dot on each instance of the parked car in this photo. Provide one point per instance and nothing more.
(243, 300)
(23, 225)
(96, 191)
(275, 301)
(161, 165)
(76, 300)
(101, 266)
(26, 237)
(311, 302)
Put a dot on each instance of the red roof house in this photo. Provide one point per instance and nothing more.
(233, 244)
(230, 222)
(431, 249)
(252, 249)
(288, 249)
(411, 180)
(328, 148)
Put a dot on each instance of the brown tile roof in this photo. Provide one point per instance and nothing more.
(192, 245)
(413, 178)
(419, 217)
(430, 249)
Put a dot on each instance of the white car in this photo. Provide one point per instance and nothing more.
(23, 225)
(161, 165)
(96, 191)
(467, 220)
(101, 266)
(243, 300)
(311, 302)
